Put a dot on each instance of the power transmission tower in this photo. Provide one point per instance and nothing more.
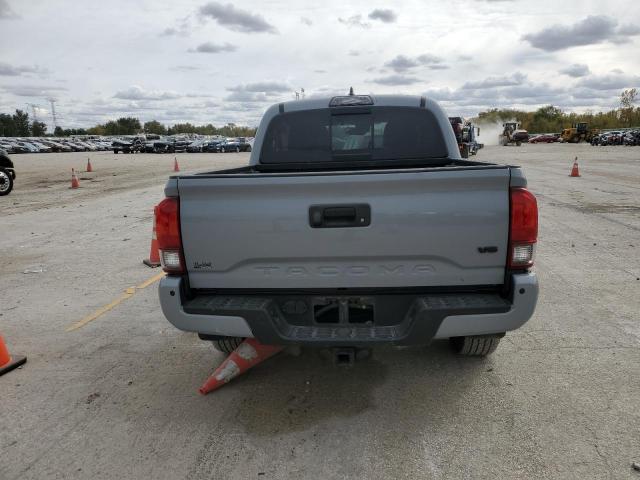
(52, 101)
(33, 110)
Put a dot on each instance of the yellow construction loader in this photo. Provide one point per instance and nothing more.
(579, 132)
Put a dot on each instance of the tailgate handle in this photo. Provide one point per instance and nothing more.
(339, 216)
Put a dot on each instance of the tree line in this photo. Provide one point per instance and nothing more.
(550, 119)
(132, 126)
(18, 125)
(547, 119)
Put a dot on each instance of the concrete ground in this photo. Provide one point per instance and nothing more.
(117, 397)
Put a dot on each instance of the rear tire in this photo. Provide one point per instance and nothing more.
(475, 346)
(6, 182)
(227, 344)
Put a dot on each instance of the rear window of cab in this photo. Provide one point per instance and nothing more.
(353, 134)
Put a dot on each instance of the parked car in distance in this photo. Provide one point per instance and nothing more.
(57, 146)
(613, 138)
(42, 148)
(30, 147)
(631, 138)
(7, 147)
(121, 145)
(178, 145)
(545, 138)
(196, 146)
(76, 147)
(239, 144)
(212, 146)
(88, 146)
(17, 148)
(149, 146)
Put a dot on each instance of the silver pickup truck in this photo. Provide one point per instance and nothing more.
(356, 224)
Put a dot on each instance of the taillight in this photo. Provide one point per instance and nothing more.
(523, 228)
(167, 214)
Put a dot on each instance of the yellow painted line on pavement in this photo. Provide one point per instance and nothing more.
(128, 293)
(151, 281)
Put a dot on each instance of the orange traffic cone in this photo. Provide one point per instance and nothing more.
(575, 172)
(176, 168)
(248, 354)
(89, 167)
(154, 255)
(8, 362)
(75, 183)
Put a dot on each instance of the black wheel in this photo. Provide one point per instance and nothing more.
(115, 151)
(475, 346)
(6, 183)
(227, 344)
(518, 144)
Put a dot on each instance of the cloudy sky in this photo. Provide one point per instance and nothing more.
(204, 61)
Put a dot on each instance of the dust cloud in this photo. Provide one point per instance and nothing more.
(490, 131)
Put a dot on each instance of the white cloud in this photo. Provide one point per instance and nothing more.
(136, 92)
(592, 30)
(469, 58)
(354, 21)
(576, 70)
(502, 81)
(25, 90)
(5, 10)
(268, 87)
(617, 81)
(384, 15)
(209, 47)
(259, 92)
(7, 70)
(397, 80)
(236, 19)
(402, 63)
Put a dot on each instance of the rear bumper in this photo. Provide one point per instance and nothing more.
(421, 318)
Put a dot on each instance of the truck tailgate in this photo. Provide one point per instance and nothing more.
(426, 228)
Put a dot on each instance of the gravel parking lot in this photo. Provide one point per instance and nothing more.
(116, 396)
